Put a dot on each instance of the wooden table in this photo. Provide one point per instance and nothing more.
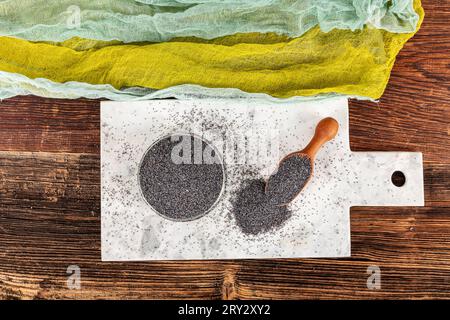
(50, 202)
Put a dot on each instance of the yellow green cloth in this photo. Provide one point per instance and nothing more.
(356, 63)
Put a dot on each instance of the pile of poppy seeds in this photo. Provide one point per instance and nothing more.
(184, 192)
(259, 206)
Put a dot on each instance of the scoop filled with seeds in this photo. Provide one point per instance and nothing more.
(295, 169)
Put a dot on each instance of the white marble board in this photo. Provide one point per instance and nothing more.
(320, 223)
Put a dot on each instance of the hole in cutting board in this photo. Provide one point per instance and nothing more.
(181, 177)
(398, 179)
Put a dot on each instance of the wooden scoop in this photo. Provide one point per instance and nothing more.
(295, 169)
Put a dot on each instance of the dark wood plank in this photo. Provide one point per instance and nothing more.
(50, 202)
(50, 125)
(50, 180)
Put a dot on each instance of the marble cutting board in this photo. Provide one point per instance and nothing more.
(320, 223)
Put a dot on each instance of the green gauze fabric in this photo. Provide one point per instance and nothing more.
(13, 84)
(340, 61)
(162, 20)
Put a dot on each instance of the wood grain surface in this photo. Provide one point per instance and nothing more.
(50, 203)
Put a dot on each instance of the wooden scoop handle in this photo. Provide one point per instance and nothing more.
(326, 130)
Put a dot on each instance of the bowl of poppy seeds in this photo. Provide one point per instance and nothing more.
(186, 190)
